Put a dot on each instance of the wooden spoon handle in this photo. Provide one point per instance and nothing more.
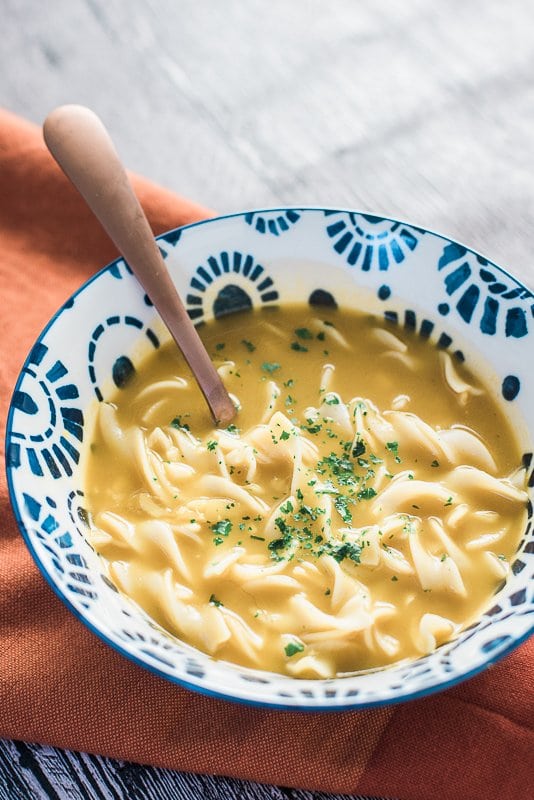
(83, 149)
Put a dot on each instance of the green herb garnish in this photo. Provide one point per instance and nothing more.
(347, 550)
(177, 423)
(367, 493)
(304, 333)
(214, 602)
(358, 449)
(331, 400)
(285, 539)
(393, 447)
(270, 366)
(221, 528)
(341, 505)
(292, 648)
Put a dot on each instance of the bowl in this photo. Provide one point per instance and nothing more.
(414, 278)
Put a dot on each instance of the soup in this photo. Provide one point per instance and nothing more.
(363, 508)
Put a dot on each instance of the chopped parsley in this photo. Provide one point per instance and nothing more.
(339, 467)
(284, 436)
(347, 550)
(220, 346)
(232, 428)
(177, 423)
(435, 463)
(393, 447)
(221, 529)
(293, 648)
(284, 540)
(214, 602)
(250, 347)
(270, 366)
(298, 347)
(341, 505)
(358, 449)
(367, 493)
(304, 333)
(211, 445)
(331, 399)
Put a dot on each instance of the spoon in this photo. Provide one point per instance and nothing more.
(83, 149)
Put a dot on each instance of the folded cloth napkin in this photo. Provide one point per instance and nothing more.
(60, 685)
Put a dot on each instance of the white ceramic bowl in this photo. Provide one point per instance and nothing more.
(417, 279)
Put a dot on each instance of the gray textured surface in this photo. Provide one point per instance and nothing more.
(421, 109)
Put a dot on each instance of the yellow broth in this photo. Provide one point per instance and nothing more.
(297, 541)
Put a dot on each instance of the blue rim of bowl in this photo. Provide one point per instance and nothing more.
(200, 689)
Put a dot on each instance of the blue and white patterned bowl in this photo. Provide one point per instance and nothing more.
(418, 280)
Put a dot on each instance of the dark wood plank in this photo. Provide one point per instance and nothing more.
(33, 772)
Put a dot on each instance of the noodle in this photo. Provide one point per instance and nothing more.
(364, 511)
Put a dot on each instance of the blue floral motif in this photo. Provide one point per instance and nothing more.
(424, 330)
(227, 283)
(482, 295)
(371, 242)
(322, 298)
(53, 447)
(58, 543)
(170, 238)
(275, 222)
(120, 269)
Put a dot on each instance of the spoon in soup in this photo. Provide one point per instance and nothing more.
(83, 149)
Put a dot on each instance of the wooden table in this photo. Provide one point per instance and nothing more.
(421, 109)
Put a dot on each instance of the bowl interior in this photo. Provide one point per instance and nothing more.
(416, 279)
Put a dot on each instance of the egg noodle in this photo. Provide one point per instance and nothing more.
(363, 508)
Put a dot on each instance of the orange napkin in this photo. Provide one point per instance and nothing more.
(60, 685)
